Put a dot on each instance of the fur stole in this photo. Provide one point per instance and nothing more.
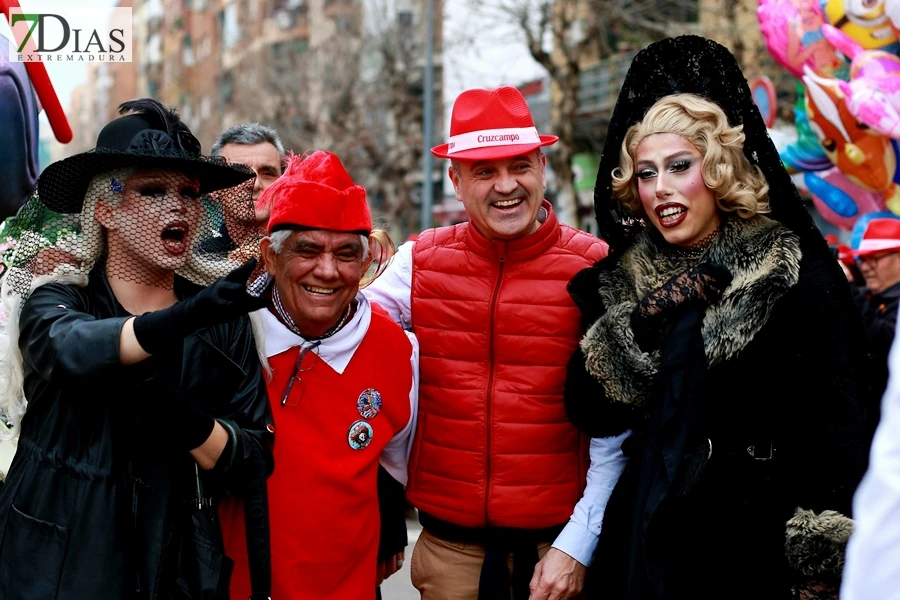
(762, 255)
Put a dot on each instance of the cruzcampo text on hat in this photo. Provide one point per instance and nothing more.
(491, 124)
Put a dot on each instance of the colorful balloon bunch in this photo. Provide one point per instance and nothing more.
(846, 55)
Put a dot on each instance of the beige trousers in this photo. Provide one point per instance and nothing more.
(443, 570)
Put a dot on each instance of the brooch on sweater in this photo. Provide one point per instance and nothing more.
(369, 405)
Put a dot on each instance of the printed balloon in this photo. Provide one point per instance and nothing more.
(792, 30)
(873, 93)
(865, 156)
(806, 153)
(866, 21)
(840, 201)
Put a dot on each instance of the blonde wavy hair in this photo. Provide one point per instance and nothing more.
(739, 186)
(381, 249)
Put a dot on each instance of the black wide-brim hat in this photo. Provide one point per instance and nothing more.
(695, 65)
(133, 141)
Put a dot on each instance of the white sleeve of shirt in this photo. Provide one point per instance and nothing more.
(395, 456)
(872, 567)
(580, 536)
(393, 288)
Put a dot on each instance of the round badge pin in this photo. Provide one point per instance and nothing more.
(369, 403)
(360, 435)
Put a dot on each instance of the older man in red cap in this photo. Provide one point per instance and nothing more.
(498, 474)
(342, 386)
(878, 256)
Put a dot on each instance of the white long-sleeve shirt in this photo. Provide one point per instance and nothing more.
(392, 290)
(872, 568)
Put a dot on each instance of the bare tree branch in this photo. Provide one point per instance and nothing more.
(534, 35)
(364, 103)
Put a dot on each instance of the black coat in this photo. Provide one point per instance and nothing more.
(879, 313)
(782, 382)
(96, 503)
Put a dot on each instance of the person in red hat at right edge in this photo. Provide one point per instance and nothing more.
(878, 257)
(510, 495)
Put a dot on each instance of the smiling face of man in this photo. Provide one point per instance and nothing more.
(502, 197)
(317, 274)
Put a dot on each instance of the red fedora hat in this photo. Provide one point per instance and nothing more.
(881, 235)
(491, 124)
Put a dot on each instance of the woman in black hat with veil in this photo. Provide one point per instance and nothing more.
(721, 332)
(145, 400)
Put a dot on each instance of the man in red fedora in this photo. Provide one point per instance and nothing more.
(341, 384)
(878, 256)
(509, 494)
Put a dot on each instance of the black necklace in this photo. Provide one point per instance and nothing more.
(696, 250)
(287, 320)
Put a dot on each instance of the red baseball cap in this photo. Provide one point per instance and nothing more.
(881, 235)
(491, 124)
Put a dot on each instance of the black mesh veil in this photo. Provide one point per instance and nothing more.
(696, 65)
(144, 220)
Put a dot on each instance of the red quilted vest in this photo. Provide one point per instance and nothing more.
(496, 329)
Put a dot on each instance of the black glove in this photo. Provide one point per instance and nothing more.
(223, 301)
(164, 402)
(703, 283)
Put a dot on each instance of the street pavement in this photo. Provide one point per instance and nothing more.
(398, 585)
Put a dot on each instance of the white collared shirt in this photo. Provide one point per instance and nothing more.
(337, 351)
